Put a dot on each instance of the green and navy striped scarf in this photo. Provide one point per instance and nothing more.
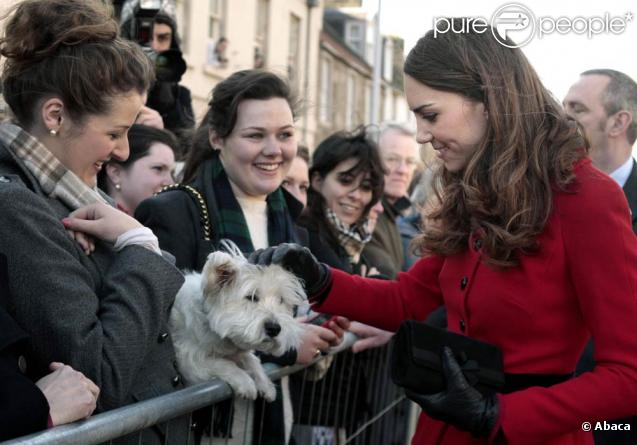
(232, 223)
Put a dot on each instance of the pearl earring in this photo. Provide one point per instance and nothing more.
(53, 132)
(118, 187)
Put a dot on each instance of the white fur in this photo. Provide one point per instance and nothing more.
(219, 318)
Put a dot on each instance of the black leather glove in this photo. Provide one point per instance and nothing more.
(460, 405)
(316, 276)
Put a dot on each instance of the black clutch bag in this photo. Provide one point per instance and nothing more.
(415, 359)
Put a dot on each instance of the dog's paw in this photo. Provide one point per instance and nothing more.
(267, 390)
(243, 386)
(247, 391)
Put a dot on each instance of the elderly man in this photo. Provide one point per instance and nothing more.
(399, 152)
(604, 102)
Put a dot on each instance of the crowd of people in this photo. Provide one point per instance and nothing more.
(518, 234)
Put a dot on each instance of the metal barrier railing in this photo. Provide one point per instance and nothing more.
(354, 402)
(113, 424)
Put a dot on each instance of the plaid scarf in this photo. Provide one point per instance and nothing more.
(232, 223)
(351, 237)
(55, 179)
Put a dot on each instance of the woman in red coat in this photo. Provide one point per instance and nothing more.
(530, 248)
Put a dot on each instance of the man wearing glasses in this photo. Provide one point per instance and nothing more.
(399, 152)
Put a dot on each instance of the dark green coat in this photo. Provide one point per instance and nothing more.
(385, 250)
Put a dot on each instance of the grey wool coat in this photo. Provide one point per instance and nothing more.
(105, 314)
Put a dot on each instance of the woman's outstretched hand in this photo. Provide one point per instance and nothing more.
(460, 405)
(368, 337)
(338, 325)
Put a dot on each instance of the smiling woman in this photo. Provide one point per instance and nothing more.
(88, 282)
(453, 124)
(105, 133)
(258, 153)
(242, 152)
(347, 179)
(149, 167)
(297, 180)
(525, 239)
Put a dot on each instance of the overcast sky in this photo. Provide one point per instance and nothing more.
(558, 58)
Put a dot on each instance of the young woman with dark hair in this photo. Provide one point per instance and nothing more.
(240, 155)
(98, 302)
(346, 180)
(530, 248)
(232, 189)
(297, 180)
(149, 168)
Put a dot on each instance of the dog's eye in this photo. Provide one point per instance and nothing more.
(252, 298)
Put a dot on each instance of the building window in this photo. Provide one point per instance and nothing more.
(215, 19)
(355, 36)
(325, 108)
(368, 101)
(350, 104)
(388, 59)
(183, 23)
(216, 34)
(294, 42)
(261, 34)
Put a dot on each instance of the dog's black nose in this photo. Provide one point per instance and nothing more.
(272, 328)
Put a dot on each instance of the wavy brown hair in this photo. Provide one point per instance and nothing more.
(529, 149)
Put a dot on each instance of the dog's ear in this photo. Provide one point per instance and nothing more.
(226, 273)
(220, 270)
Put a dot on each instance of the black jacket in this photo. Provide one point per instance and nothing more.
(176, 219)
(325, 247)
(630, 190)
(23, 407)
(174, 103)
(385, 249)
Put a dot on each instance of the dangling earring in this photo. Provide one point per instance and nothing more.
(53, 132)
(118, 187)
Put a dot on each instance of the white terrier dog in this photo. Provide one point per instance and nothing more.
(230, 309)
